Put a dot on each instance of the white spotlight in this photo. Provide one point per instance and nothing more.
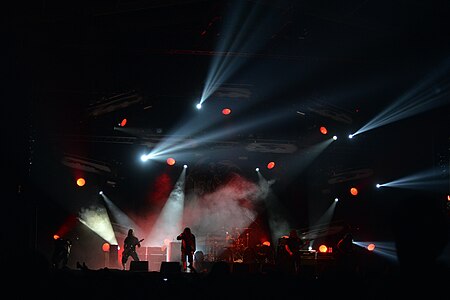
(336, 199)
(185, 166)
(199, 105)
(334, 137)
(350, 136)
(378, 185)
(144, 157)
(257, 169)
(101, 192)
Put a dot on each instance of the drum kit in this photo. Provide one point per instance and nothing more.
(228, 246)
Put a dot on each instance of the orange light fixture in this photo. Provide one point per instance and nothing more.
(81, 181)
(170, 161)
(323, 248)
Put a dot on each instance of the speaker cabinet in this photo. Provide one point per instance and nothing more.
(174, 252)
(170, 267)
(140, 266)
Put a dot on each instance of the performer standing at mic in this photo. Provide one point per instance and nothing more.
(188, 247)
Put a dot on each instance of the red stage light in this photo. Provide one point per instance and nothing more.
(123, 123)
(226, 111)
(323, 130)
(354, 191)
(270, 165)
(371, 247)
(105, 247)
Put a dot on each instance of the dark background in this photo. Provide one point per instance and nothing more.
(354, 58)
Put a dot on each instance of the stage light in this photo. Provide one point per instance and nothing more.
(226, 111)
(170, 161)
(354, 191)
(199, 105)
(81, 181)
(123, 123)
(350, 136)
(336, 199)
(105, 247)
(323, 130)
(334, 137)
(378, 185)
(271, 165)
(55, 236)
(323, 248)
(371, 247)
(257, 169)
(101, 192)
(185, 166)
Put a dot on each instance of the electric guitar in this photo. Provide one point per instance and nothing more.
(131, 247)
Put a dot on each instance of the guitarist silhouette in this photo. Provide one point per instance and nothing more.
(129, 248)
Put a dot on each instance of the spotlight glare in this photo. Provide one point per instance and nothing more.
(334, 137)
(350, 136)
(378, 185)
(101, 192)
(257, 169)
(185, 166)
(336, 199)
(199, 105)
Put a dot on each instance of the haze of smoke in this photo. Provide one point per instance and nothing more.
(96, 218)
